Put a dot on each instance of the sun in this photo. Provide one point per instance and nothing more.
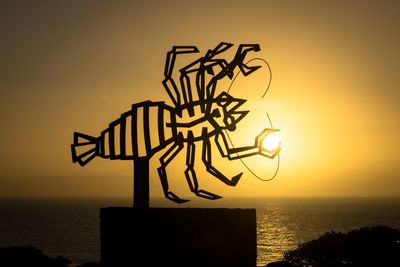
(271, 142)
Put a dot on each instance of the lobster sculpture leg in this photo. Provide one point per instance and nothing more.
(197, 115)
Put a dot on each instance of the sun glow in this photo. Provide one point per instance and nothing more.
(271, 142)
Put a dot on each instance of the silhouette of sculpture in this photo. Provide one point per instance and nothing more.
(196, 116)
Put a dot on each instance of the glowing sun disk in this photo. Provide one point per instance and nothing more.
(271, 142)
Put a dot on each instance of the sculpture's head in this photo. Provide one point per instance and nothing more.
(225, 113)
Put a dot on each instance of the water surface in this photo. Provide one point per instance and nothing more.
(70, 227)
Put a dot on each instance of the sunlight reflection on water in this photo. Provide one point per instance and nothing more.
(273, 235)
(283, 224)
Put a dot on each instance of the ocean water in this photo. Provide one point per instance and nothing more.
(70, 227)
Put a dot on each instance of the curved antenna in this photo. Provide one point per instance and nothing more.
(269, 119)
(270, 75)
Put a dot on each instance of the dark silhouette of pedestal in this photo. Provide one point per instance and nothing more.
(141, 195)
(190, 237)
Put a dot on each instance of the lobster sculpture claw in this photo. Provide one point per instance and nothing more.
(197, 116)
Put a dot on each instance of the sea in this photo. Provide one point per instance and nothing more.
(70, 227)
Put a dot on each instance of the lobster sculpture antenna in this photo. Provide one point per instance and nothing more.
(198, 115)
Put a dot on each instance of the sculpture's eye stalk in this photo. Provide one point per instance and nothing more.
(216, 113)
(229, 106)
(210, 70)
(230, 123)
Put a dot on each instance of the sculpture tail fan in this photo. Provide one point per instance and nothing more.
(84, 148)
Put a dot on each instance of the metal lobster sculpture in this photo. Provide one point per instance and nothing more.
(196, 116)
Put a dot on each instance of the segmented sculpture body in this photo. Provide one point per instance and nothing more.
(197, 116)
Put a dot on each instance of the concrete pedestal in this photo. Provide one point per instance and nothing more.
(178, 237)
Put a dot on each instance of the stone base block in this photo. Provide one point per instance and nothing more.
(177, 237)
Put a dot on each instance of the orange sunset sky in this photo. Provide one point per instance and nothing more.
(77, 65)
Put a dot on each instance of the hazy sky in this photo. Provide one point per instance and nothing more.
(70, 66)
